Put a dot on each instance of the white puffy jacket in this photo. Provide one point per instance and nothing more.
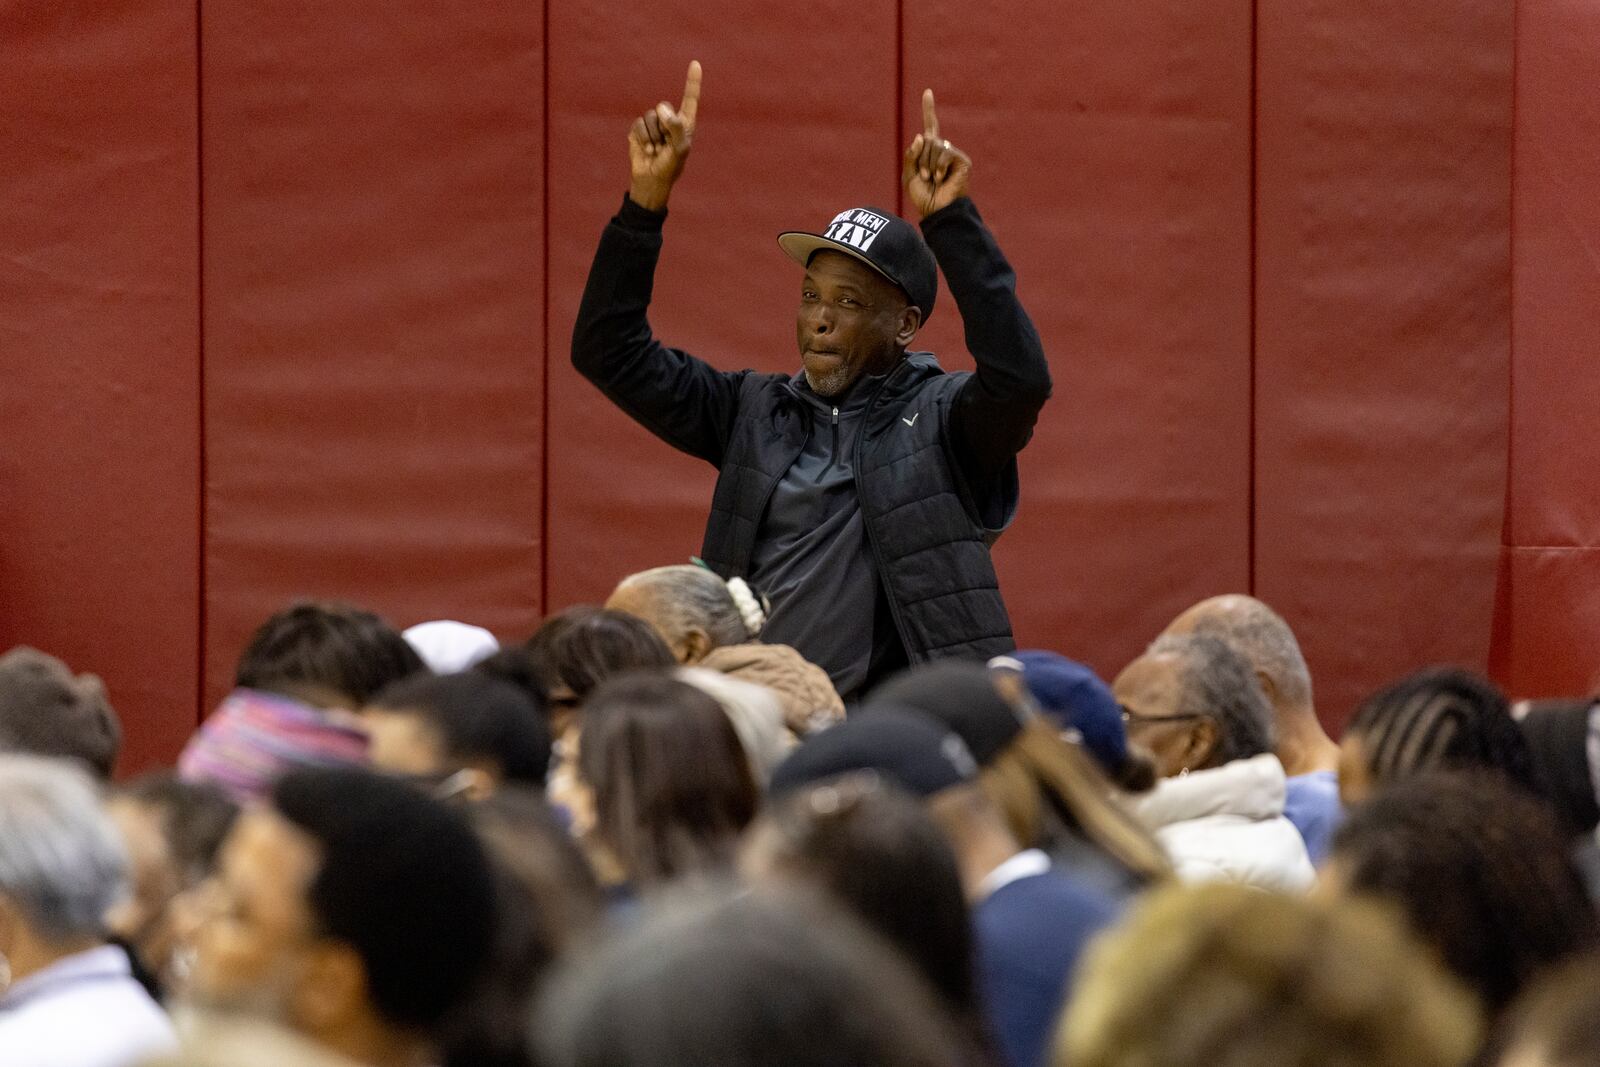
(1227, 824)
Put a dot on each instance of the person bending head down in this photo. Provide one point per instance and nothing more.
(354, 909)
(693, 609)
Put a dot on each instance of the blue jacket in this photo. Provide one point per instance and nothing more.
(1029, 936)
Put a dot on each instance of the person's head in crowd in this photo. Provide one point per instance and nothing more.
(1228, 976)
(547, 903)
(1031, 917)
(254, 738)
(576, 650)
(874, 849)
(806, 693)
(65, 995)
(448, 647)
(1557, 1022)
(1219, 807)
(563, 899)
(1074, 698)
(464, 733)
(46, 710)
(172, 831)
(1265, 640)
(750, 981)
(1441, 718)
(755, 713)
(1481, 870)
(918, 754)
(692, 608)
(665, 786)
(1051, 793)
(354, 909)
(1558, 734)
(1195, 704)
(325, 655)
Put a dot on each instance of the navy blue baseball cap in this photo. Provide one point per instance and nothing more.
(1076, 698)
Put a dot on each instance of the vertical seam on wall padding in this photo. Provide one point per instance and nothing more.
(1250, 533)
(1506, 533)
(200, 361)
(544, 322)
(899, 103)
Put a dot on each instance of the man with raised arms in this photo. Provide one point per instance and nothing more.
(862, 493)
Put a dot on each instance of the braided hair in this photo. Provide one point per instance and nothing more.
(1442, 718)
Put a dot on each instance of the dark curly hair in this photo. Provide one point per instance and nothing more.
(1480, 868)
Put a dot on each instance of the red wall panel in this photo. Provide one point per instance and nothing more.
(1548, 632)
(374, 299)
(99, 355)
(1382, 330)
(1111, 148)
(783, 142)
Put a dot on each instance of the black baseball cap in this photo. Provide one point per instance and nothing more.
(883, 241)
(905, 746)
(963, 698)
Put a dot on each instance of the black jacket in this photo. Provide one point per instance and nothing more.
(935, 462)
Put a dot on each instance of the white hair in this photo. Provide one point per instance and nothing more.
(754, 710)
(690, 597)
(61, 862)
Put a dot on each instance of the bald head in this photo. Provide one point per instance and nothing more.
(1261, 636)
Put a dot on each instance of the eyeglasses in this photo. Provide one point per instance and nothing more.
(1129, 718)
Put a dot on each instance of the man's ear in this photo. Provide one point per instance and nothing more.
(1269, 688)
(910, 323)
(693, 647)
(1201, 743)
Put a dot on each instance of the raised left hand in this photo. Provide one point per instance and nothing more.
(935, 172)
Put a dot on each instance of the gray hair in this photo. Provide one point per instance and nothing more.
(61, 862)
(689, 597)
(1217, 682)
(1263, 637)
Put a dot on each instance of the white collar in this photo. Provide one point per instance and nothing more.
(92, 965)
(1026, 864)
(1252, 788)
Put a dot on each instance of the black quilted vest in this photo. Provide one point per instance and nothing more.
(928, 541)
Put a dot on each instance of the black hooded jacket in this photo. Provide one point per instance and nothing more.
(932, 457)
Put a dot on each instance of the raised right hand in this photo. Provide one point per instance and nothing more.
(658, 145)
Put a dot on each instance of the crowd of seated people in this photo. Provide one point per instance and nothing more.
(642, 837)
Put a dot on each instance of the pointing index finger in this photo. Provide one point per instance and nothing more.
(930, 120)
(691, 94)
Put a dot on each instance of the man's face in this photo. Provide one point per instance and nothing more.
(252, 948)
(852, 321)
(1150, 692)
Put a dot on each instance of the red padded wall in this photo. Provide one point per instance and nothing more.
(1382, 330)
(1111, 156)
(374, 301)
(783, 141)
(1548, 630)
(99, 351)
